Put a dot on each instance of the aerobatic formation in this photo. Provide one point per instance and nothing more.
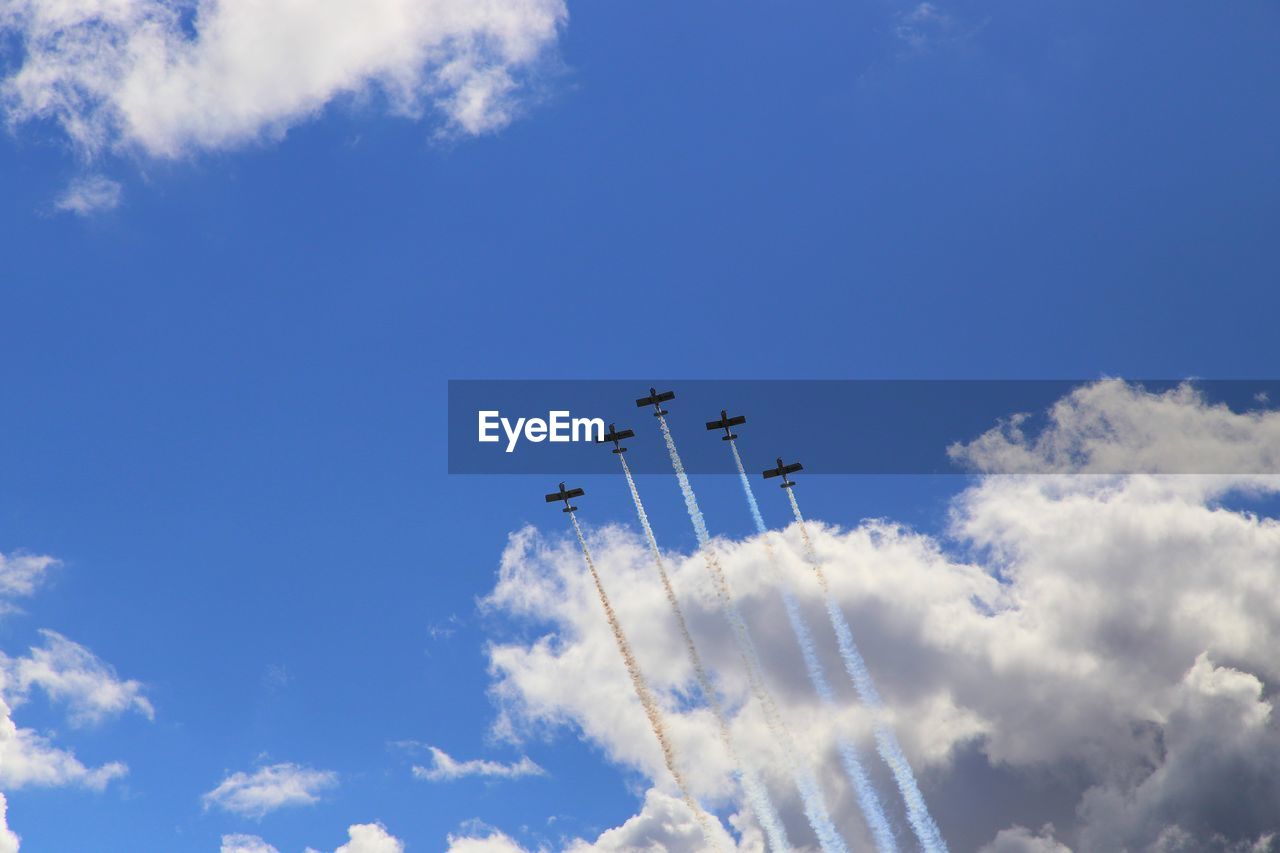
(873, 806)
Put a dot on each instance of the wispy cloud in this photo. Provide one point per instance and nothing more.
(89, 195)
(926, 25)
(20, 574)
(269, 788)
(68, 672)
(445, 768)
(444, 630)
(245, 844)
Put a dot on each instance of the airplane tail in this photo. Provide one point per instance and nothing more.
(660, 413)
(729, 437)
(570, 509)
(619, 450)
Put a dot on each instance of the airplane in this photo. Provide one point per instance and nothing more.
(782, 471)
(564, 495)
(654, 399)
(725, 422)
(616, 437)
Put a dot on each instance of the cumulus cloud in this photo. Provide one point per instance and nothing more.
(8, 838)
(171, 78)
(493, 842)
(20, 574)
(1219, 728)
(1108, 638)
(361, 838)
(446, 768)
(68, 672)
(88, 195)
(370, 838)
(245, 844)
(269, 788)
(663, 825)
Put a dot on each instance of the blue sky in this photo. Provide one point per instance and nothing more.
(224, 396)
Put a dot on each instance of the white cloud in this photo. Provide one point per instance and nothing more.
(9, 839)
(29, 759)
(493, 842)
(446, 768)
(370, 838)
(172, 78)
(663, 824)
(1115, 635)
(88, 195)
(361, 838)
(245, 844)
(269, 788)
(20, 574)
(70, 673)
(1115, 427)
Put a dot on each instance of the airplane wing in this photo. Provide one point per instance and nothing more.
(645, 401)
(715, 424)
(573, 493)
(772, 472)
(792, 468)
(555, 496)
(740, 419)
(664, 396)
(627, 433)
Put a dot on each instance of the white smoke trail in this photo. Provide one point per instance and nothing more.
(868, 799)
(650, 705)
(810, 794)
(922, 823)
(756, 793)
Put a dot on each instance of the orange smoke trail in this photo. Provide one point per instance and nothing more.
(647, 701)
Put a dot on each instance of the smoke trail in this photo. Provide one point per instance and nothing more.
(814, 807)
(756, 793)
(868, 799)
(887, 745)
(641, 686)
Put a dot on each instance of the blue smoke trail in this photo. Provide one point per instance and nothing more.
(887, 745)
(756, 793)
(868, 799)
(810, 794)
